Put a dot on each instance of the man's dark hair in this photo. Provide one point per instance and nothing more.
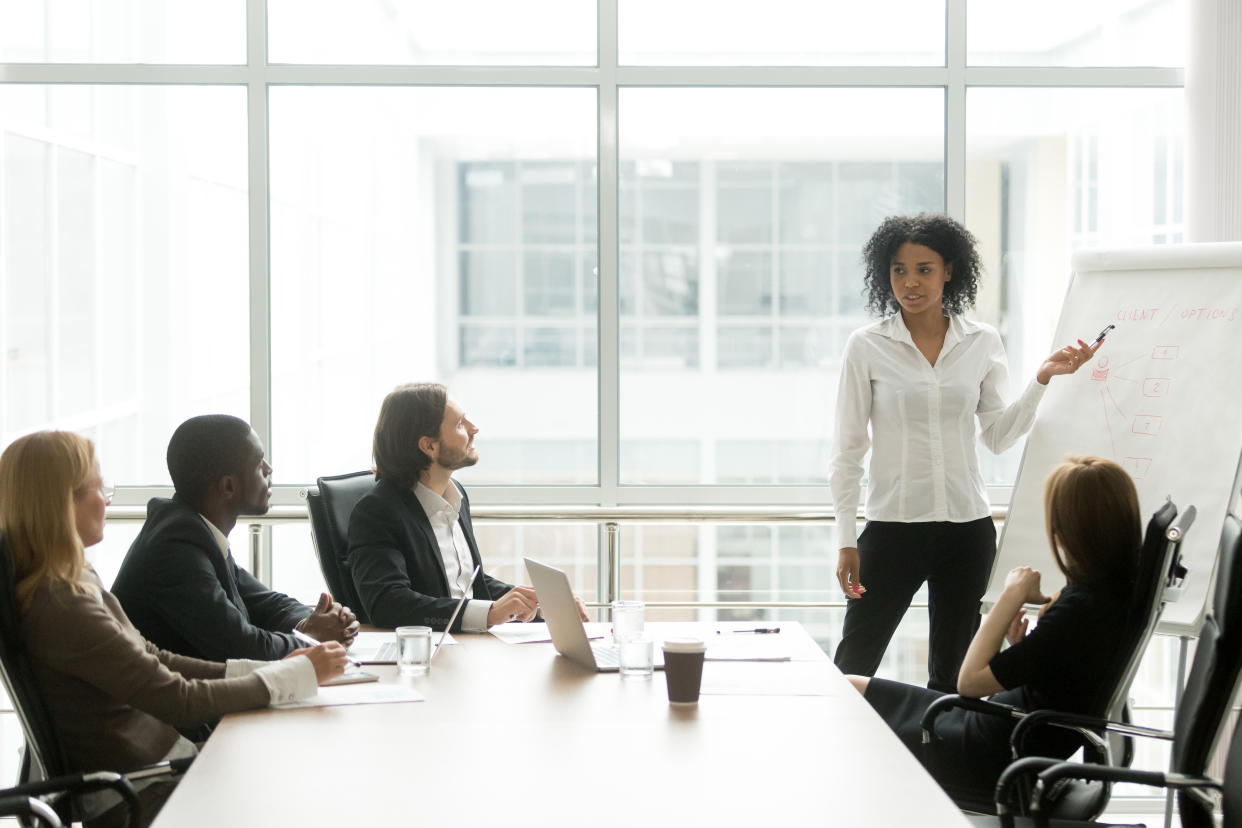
(202, 450)
(951, 240)
(408, 413)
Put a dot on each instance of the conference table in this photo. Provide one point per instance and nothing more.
(516, 735)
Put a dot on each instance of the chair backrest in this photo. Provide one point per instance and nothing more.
(44, 755)
(1155, 566)
(1231, 801)
(1214, 673)
(330, 503)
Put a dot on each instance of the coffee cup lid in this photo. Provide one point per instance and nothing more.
(683, 644)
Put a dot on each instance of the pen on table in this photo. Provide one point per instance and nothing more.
(755, 630)
(311, 642)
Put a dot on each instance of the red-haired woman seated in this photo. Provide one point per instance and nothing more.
(1065, 663)
(116, 699)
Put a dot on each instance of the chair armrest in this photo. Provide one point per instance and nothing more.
(29, 808)
(952, 701)
(1016, 773)
(1109, 773)
(1080, 723)
(84, 783)
(97, 780)
(173, 767)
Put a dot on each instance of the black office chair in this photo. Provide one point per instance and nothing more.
(1159, 568)
(45, 771)
(330, 503)
(1210, 687)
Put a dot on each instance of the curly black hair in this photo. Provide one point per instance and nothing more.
(951, 240)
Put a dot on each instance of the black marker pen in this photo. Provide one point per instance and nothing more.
(1103, 334)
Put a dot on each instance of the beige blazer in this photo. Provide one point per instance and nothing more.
(114, 696)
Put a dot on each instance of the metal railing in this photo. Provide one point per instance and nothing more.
(609, 519)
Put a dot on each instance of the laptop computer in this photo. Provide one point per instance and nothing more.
(556, 604)
(380, 648)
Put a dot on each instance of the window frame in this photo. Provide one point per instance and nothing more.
(607, 77)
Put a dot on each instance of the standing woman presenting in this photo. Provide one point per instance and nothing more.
(912, 387)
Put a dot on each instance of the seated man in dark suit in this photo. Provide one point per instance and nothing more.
(411, 543)
(179, 583)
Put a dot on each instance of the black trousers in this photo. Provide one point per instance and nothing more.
(954, 559)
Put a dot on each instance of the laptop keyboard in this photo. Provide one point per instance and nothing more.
(605, 655)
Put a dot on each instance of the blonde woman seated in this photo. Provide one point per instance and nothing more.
(116, 700)
(1068, 659)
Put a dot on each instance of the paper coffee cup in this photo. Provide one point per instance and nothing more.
(683, 669)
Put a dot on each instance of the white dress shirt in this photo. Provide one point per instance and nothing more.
(287, 680)
(443, 513)
(923, 461)
(222, 540)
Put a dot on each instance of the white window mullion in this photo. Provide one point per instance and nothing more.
(609, 339)
(260, 280)
(955, 110)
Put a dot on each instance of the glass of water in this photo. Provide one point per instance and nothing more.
(627, 619)
(413, 650)
(635, 653)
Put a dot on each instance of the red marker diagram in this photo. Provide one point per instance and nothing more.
(1156, 386)
(1130, 433)
(1099, 372)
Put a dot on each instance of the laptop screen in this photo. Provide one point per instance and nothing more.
(461, 602)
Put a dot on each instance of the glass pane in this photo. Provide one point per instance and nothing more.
(550, 284)
(126, 269)
(138, 31)
(781, 32)
(1070, 33)
(434, 234)
(744, 563)
(744, 286)
(426, 32)
(766, 197)
(570, 547)
(1050, 171)
(744, 346)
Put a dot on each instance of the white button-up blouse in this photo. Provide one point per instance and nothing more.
(922, 423)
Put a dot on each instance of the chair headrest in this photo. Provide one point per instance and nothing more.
(341, 494)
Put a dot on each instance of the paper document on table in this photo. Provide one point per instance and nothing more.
(538, 631)
(793, 678)
(356, 694)
(750, 648)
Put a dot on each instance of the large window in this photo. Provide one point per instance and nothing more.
(633, 276)
(123, 263)
(435, 233)
(626, 234)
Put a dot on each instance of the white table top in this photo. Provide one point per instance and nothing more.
(516, 733)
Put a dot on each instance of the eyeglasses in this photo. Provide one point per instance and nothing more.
(106, 490)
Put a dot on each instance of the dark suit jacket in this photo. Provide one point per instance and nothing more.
(396, 564)
(184, 596)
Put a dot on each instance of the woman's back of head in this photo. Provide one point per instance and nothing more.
(1092, 515)
(39, 475)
